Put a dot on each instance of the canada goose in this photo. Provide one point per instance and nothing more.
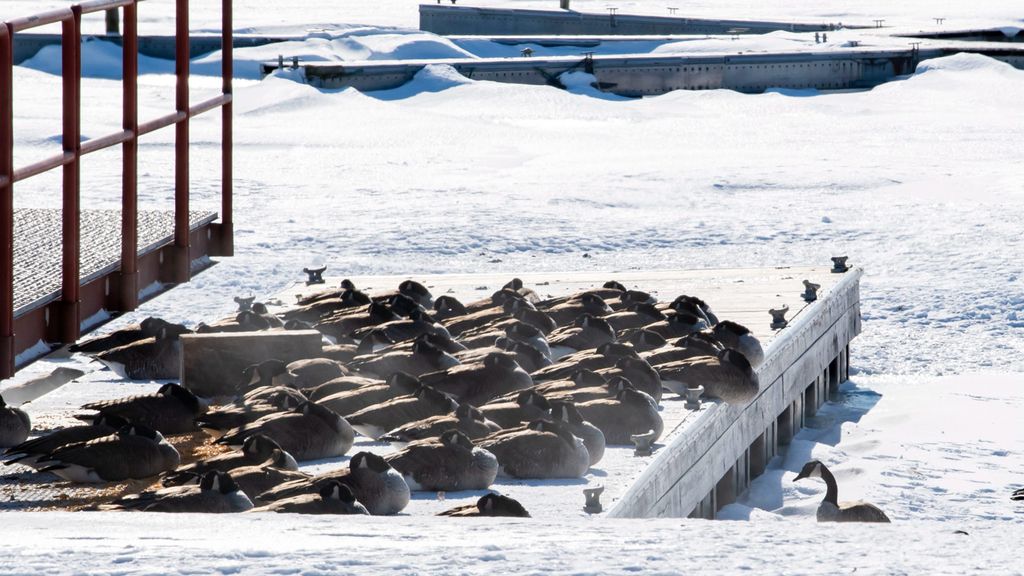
(270, 372)
(529, 405)
(612, 290)
(340, 352)
(133, 452)
(417, 324)
(559, 390)
(1017, 494)
(422, 358)
(541, 449)
(332, 498)
(645, 341)
(410, 289)
(374, 482)
(255, 480)
(345, 285)
(148, 328)
(566, 412)
(727, 376)
(342, 384)
(585, 333)
(630, 299)
(312, 372)
(348, 402)
(739, 337)
(637, 316)
(693, 305)
(466, 418)
(581, 379)
(479, 382)
(604, 356)
(511, 329)
(155, 358)
(448, 463)
(640, 374)
(678, 325)
(486, 316)
(528, 357)
(446, 307)
(15, 425)
(171, 410)
(629, 412)
(216, 492)
(217, 422)
(281, 396)
(589, 303)
(342, 323)
(374, 421)
(383, 344)
(28, 453)
(273, 321)
(313, 309)
(691, 346)
(244, 321)
(489, 505)
(309, 432)
(516, 284)
(830, 509)
(255, 450)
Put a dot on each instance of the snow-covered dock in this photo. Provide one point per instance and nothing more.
(708, 456)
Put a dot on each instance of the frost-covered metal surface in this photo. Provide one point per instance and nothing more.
(37, 251)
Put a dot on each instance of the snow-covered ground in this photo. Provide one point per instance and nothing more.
(919, 181)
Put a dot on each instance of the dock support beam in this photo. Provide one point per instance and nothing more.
(181, 269)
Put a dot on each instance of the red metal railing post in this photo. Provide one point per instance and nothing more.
(7, 353)
(129, 280)
(71, 76)
(227, 230)
(182, 259)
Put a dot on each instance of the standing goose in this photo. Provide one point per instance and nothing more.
(374, 421)
(479, 382)
(739, 337)
(148, 328)
(134, 452)
(449, 463)
(333, 498)
(421, 358)
(28, 453)
(255, 450)
(467, 419)
(586, 332)
(310, 432)
(216, 493)
(15, 425)
(727, 376)
(541, 449)
(374, 482)
(830, 509)
(156, 358)
(629, 412)
(351, 401)
(171, 410)
(489, 505)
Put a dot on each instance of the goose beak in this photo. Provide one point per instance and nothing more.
(800, 476)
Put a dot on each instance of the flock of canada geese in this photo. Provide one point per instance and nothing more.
(510, 385)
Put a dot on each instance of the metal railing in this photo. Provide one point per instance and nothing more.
(73, 150)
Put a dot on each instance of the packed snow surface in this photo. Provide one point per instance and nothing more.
(918, 181)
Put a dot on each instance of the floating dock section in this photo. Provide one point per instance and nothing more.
(707, 456)
(445, 19)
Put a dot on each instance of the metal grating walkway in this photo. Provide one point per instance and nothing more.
(37, 247)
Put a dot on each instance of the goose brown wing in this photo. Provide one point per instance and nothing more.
(115, 457)
(137, 409)
(861, 512)
(394, 412)
(63, 437)
(307, 485)
(429, 462)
